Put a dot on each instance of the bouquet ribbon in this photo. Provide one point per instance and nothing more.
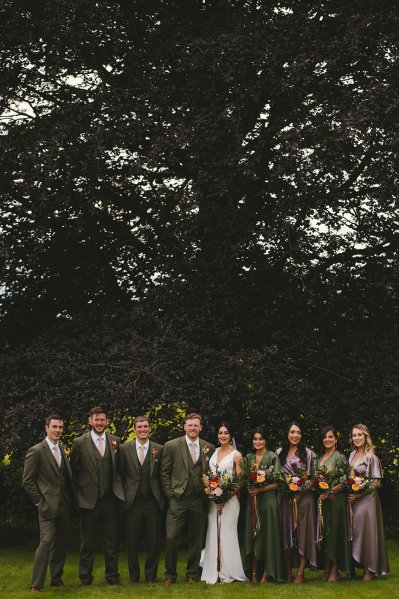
(320, 523)
(350, 520)
(219, 556)
(293, 521)
(255, 516)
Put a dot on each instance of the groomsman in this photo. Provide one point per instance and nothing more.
(94, 467)
(47, 479)
(139, 466)
(183, 460)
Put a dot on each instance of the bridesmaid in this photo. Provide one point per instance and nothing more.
(295, 457)
(265, 547)
(368, 545)
(336, 544)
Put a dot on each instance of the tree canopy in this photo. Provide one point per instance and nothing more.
(200, 206)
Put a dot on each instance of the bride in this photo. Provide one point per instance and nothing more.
(225, 459)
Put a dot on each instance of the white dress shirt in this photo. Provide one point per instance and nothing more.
(197, 446)
(145, 445)
(96, 437)
(57, 453)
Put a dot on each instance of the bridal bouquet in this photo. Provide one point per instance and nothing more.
(219, 486)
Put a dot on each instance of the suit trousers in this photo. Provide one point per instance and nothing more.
(52, 547)
(144, 515)
(189, 512)
(101, 519)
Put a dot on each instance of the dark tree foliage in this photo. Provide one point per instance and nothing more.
(199, 206)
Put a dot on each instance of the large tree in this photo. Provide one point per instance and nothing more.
(223, 171)
(242, 148)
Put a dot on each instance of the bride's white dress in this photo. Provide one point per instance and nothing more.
(231, 565)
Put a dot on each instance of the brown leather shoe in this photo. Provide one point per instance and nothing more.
(192, 580)
(35, 590)
(168, 582)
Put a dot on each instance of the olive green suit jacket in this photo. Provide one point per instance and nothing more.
(84, 470)
(130, 467)
(175, 466)
(41, 478)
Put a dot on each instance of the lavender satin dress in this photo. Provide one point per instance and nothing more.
(307, 516)
(368, 534)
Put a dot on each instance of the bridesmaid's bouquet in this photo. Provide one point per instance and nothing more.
(359, 484)
(324, 478)
(292, 485)
(219, 486)
(255, 478)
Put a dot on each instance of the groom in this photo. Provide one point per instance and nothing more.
(183, 460)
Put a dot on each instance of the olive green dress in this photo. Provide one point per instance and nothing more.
(336, 544)
(266, 546)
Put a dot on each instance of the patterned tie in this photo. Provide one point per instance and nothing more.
(56, 454)
(141, 455)
(192, 452)
(101, 447)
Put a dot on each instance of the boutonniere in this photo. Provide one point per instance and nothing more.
(205, 451)
(114, 445)
(154, 454)
(67, 452)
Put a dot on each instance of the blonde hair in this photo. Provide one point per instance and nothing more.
(368, 442)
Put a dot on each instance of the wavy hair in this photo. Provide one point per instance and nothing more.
(326, 429)
(365, 430)
(262, 431)
(285, 446)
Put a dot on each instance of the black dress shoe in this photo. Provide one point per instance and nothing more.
(113, 582)
(85, 583)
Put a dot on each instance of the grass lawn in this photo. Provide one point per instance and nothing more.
(16, 564)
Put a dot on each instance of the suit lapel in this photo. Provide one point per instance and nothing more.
(49, 456)
(183, 450)
(111, 450)
(90, 447)
(153, 457)
(203, 455)
(66, 461)
(133, 455)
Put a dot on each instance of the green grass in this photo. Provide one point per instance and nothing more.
(16, 564)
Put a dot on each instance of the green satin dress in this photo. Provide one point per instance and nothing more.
(266, 546)
(336, 545)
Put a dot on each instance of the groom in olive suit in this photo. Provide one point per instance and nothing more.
(139, 462)
(94, 458)
(47, 479)
(183, 461)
